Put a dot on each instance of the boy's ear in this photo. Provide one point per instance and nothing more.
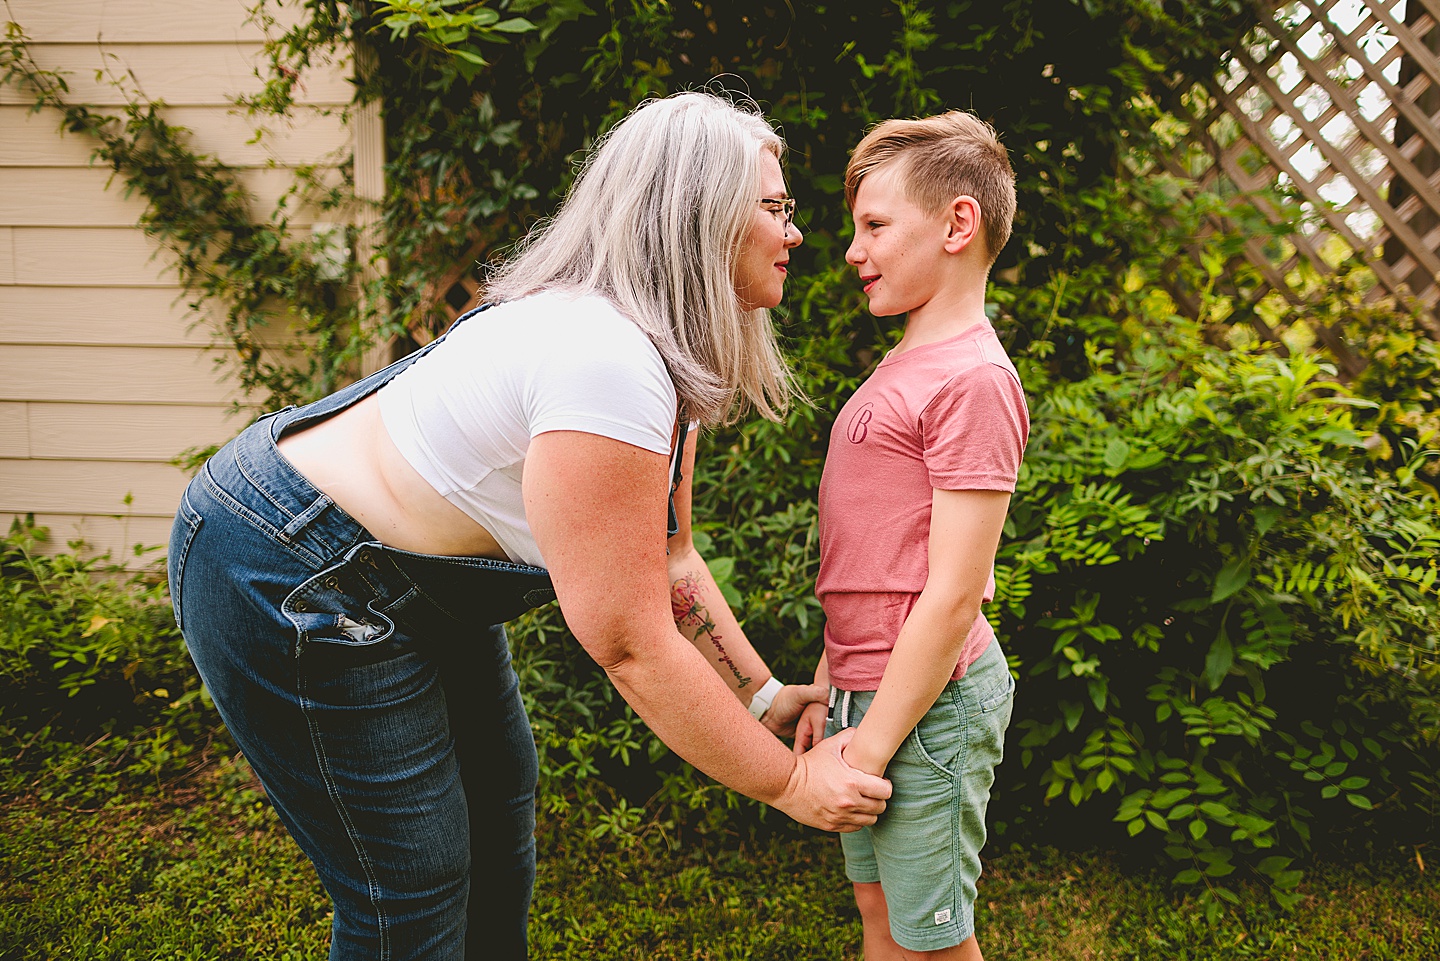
(963, 223)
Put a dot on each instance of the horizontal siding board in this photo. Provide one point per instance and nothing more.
(124, 432)
(117, 316)
(116, 536)
(103, 257)
(14, 430)
(180, 74)
(175, 375)
(89, 197)
(90, 256)
(34, 138)
(88, 487)
(183, 21)
(29, 139)
(92, 197)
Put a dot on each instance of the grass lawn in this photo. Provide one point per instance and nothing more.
(196, 877)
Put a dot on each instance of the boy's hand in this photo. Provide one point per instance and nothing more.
(810, 730)
(790, 702)
(857, 758)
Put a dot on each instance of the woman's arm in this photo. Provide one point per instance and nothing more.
(965, 530)
(596, 507)
(700, 610)
(704, 616)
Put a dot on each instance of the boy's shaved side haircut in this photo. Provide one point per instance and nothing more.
(944, 156)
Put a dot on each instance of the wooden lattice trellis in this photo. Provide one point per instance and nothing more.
(1337, 104)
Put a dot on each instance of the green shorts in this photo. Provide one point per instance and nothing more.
(925, 849)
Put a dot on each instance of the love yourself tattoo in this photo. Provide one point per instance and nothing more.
(687, 604)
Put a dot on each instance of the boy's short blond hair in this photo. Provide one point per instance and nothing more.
(942, 157)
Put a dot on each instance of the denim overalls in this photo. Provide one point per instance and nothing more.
(371, 690)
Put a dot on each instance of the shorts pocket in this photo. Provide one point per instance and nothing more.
(998, 697)
(992, 686)
(182, 535)
(939, 738)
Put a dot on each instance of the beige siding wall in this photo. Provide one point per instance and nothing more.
(105, 374)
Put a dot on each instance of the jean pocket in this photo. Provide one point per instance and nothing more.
(182, 535)
(333, 607)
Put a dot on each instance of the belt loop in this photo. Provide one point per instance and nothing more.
(275, 413)
(302, 520)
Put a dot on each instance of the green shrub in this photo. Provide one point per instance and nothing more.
(96, 690)
(1224, 617)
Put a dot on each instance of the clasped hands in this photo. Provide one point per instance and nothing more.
(825, 792)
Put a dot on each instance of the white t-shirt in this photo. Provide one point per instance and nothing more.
(463, 414)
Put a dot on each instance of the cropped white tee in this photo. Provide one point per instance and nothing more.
(463, 414)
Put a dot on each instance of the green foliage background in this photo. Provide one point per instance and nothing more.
(1218, 583)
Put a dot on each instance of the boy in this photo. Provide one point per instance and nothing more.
(921, 465)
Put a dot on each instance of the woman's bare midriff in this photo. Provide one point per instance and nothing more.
(351, 458)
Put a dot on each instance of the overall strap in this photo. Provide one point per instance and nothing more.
(673, 527)
(295, 418)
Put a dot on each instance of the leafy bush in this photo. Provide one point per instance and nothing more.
(1225, 619)
(96, 690)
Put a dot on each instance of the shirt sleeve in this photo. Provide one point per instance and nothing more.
(975, 429)
(606, 379)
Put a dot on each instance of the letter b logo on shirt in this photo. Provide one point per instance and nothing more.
(860, 424)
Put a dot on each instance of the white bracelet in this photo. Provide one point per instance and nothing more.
(760, 702)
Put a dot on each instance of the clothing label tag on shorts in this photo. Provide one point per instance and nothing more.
(942, 917)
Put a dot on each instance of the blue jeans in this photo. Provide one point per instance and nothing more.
(372, 692)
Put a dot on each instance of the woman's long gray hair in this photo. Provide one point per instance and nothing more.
(654, 222)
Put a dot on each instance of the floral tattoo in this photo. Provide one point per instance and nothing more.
(687, 604)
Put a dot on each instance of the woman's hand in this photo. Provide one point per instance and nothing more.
(825, 792)
(810, 730)
(788, 707)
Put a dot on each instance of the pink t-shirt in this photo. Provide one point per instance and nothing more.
(949, 415)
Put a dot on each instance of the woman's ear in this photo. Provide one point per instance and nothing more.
(963, 223)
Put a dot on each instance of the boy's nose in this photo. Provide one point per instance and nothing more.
(853, 256)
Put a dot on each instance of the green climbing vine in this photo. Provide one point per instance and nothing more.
(237, 262)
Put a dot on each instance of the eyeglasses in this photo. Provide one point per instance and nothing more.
(777, 204)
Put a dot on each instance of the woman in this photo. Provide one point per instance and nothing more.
(341, 571)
